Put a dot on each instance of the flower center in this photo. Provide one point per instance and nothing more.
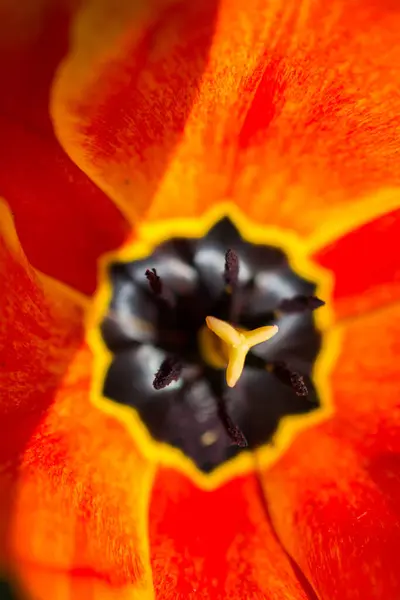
(213, 343)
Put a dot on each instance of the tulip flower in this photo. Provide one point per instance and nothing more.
(200, 299)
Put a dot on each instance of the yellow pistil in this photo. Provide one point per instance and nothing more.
(238, 343)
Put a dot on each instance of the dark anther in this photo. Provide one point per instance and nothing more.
(154, 281)
(231, 274)
(169, 371)
(300, 304)
(159, 289)
(289, 377)
(231, 429)
(298, 384)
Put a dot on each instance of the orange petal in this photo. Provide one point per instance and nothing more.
(293, 114)
(45, 584)
(127, 88)
(63, 220)
(41, 326)
(366, 378)
(80, 503)
(335, 495)
(73, 485)
(216, 544)
(366, 266)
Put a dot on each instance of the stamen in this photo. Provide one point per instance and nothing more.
(154, 281)
(298, 384)
(292, 378)
(158, 289)
(231, 273)
(169, 371)
(238, 344)
(300, 304)
(234, 432)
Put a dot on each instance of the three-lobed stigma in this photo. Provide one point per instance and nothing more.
(238, 343)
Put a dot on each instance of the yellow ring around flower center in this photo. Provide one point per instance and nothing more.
(300, 255)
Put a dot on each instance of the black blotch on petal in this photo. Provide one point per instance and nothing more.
(157, 309)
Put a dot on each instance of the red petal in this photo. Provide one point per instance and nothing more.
(285, 113)
(80, 503)
(74, 487)
(335, 495)
(41, 327)
(216, 544)
(366, 378)
(334, 517)
(366, 266)
(127, 89)
(64, 222)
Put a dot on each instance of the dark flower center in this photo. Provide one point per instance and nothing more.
(171, 368)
